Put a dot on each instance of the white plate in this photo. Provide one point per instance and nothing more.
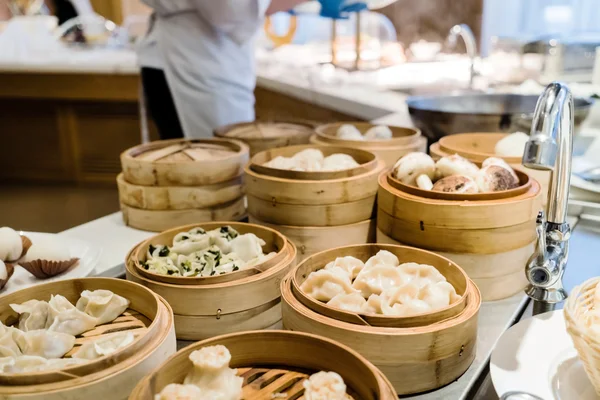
(581, 164)
(88, 255)
(537, 356)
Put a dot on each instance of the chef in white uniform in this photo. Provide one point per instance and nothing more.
(206, 50)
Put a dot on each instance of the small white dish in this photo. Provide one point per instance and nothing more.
(88, 255)
(537, 356)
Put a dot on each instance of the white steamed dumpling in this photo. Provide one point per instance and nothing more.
(104, 305)
(66, 318)
(379, 132)
(412, 166)
(324, 386)
(104, 346)
(33, 314)
(11, 246)
(455, 165)
(512, 145)
(351, 265)
(383, 257)
(48, 249)
(212, 374)
(348, 301)
(349, 132)
(339, 162)
(376, 279)
(44, 343)
(325, 284)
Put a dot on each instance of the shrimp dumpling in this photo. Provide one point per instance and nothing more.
(103, 346)
(101, 304)
(348, 301)
(376, 279)
(66, 318)
(324, 386)
(379, 132)
(325, 284)
(247, 246)
(212, 374)
(349, 132)
(43, 343)
(383, 257)
(33, 314)
(351, 265)
(339, 162)
(176, 391)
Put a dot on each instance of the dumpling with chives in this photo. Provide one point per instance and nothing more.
(325, 284)
(190, 244)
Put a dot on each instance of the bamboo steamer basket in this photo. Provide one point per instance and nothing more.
(496, 275)
(178, 197)
(491, 239)
(275, 242)
(476, 147)
(184, 162)
(277, 362)
(160, 220)
(404, 141)
(453, 273)
(203, 311)
(579, 307)
(114, 376)
(261, 136)
(314, 239)
(414, 359)
(325, 199)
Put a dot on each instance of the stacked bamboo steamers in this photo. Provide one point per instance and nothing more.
(169, 183)
(315, 210)
(208, 306)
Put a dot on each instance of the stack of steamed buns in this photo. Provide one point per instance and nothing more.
(455, 174)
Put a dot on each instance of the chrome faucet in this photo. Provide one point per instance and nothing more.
(466, 33)
(550, 147)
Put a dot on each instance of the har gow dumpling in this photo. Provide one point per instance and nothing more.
(33, 314)
(383, 257)
(325, 284)
(348, 301)
(324, 386)
(44, 343)
(212, 374)
(103, 305)
(104, 346)
(376, 279)
(66, 318)
(351, 265)
(176, 391)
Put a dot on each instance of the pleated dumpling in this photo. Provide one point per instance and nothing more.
(324, 386)
(66, 318)
(177, 391)
(403, 301)
(103, 305)
(104, 346)
(212, 374)
(438, 295)
(376, 279)
(17, 365)
(43, 343)
(351, 265)
(186, 244)
(8, 343)
(348, 301)
(383, 257)
(420, 274)
(372, 305)
(33, 314)
(325, 284)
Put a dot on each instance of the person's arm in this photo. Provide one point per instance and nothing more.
(282, 5)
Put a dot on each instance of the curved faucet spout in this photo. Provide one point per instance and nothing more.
(466, 34)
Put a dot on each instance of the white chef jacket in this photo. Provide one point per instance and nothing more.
(206, 49)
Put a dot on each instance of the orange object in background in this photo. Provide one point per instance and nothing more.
(280, 40)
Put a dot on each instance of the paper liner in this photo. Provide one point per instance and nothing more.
(9, 271)
(26, 245)
(43, 269)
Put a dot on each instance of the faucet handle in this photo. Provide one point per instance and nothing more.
(540, 230)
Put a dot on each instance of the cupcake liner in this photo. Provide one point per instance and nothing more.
(43, 269)
(9, 271)
(26, 245)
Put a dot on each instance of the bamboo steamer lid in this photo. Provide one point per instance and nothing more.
(274, 242)
(414, 359)
(453, 273)
(260, 136)
(178, 197)
(404, 140)
(184, 162)
(284, 359)
(466, 215)
(314, 239)
(160, 220)
(112, 376)
(497, 276)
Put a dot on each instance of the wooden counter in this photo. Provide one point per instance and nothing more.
(71, 127)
